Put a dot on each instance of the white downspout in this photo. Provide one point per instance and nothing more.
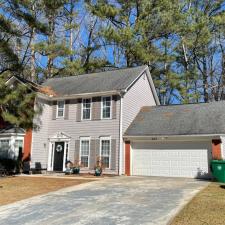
(121, 136)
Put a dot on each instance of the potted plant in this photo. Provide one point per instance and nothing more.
(98, 167)
(76, 167)
(69, 166)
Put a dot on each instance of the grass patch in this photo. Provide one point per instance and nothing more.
(206, 208)
(13, 189)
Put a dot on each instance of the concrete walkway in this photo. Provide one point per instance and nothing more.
(118, 200)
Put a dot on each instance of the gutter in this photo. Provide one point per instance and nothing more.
(177, 135)
(173, 137)
(65, 97)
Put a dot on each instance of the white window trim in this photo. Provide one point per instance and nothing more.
(110, 146)
(110, 107)
(57, 115)
(83, 108)
(85, 139)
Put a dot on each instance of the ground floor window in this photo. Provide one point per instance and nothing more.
(5, 148)
(84, 151)
(4, 145)
(105, 149)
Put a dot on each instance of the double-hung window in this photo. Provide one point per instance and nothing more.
(60, 109)
(105, 151)
(84, 151)
(4, 145)
(106, 107)
(86, 109)
(4, 148)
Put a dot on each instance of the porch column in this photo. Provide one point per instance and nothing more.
(127, 158)
(216, 149)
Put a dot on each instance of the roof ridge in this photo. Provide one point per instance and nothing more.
(107, 71)
(187, 104)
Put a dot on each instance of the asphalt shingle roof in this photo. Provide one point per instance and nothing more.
(96, 82)
(190, 119)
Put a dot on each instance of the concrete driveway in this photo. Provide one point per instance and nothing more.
(119, 200)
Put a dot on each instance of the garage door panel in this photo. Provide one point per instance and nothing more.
(182, 159)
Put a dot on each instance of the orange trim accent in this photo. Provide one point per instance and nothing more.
(127, 158)
(216, 149)
(27, 145)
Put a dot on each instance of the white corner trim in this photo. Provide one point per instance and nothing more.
(222, 147)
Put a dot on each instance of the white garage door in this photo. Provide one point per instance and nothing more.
(171, 159)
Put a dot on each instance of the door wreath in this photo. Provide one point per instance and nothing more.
(59, 148)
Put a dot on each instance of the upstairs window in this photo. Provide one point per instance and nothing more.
(60, 109)
(106, 107)
(86, 109)
(84, 152)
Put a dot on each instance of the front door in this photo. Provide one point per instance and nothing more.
(58, 156)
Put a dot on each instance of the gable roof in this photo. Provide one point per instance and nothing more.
(115, 80)
(12, 130)
(189, 119)
(33, 86)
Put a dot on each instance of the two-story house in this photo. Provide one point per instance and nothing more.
(115, 117)
(84, 117)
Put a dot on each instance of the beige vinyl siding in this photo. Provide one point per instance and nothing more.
(40, 145)
(90, 128)
(139, 95)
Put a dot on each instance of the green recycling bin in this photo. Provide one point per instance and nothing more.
(218, 170)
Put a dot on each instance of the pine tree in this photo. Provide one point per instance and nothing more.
(16, 22)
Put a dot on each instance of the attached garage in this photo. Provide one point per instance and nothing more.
(175, 140)
(171, 159)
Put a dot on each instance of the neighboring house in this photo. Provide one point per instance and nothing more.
(175, 140)
(84, 117)
(11, 138)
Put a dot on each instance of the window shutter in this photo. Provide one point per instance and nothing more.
(97, 150)
(96, 108)
(92, 154)
(79, 102)
(114, 102)
(77, 151)
(66, 116)
(113, 154)
(54, 108)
